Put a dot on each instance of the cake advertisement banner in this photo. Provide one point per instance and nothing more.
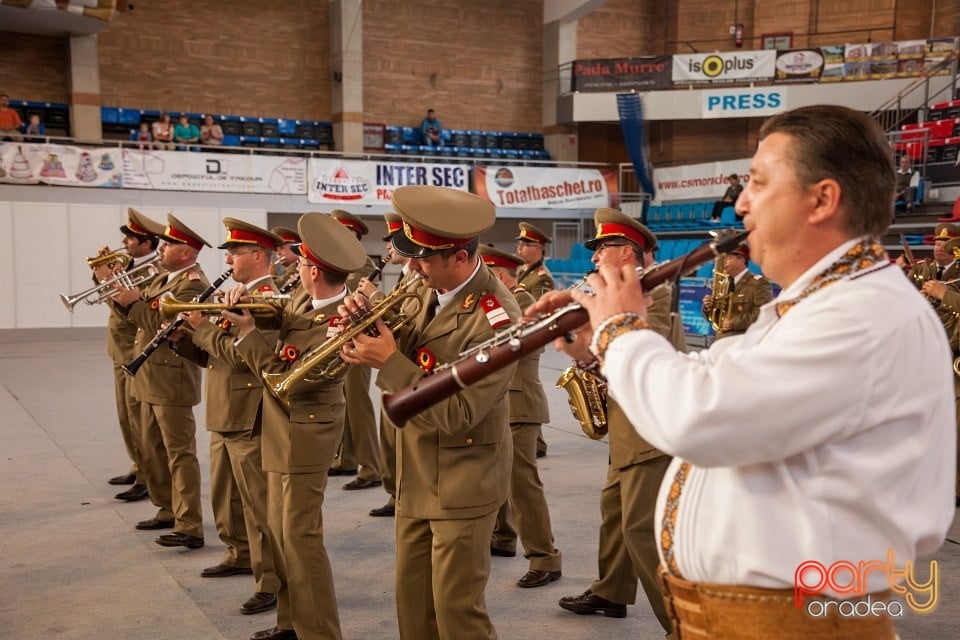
(798, 65)
(543, 188)
(56, 164)
(356, 182)
(215, 172)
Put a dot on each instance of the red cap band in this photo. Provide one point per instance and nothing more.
(431, 241)
(612, 229)
(178, 236)
(249, 237)
(137, 229)
(309, 255)
(498, 261)
(532, 236)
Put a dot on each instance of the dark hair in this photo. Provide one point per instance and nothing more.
(333, 278)
(829, 141)
(733, 176)
(470, 247)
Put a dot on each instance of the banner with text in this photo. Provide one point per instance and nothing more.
(33, 163)
(718, 68)
(741, 103)
(195, 171)
(542, 188)
(358, 182)
(703, 181)
(621, 74)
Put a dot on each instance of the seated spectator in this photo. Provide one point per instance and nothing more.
(33, 129)
(432, 130)
(210, 132)
(162, 132)
(186, 132)
(145, 141)
(10, 121)
(907, 182)
(729, 198)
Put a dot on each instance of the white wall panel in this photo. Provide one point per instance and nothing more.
(42, 263)
(89, 228)
(8, 308)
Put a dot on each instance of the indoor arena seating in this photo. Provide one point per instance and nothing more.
(496, 146)
(689, 216)
(238, 131)
(55, 116)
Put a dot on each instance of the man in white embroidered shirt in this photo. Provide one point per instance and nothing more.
(848, 455)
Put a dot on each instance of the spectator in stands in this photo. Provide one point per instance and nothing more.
(907, 182)
(162, 132)
(144, 138)
(729, 198)
(34, 128)
(432, 130)
(185, 132)
(210, 132)
(10, 121)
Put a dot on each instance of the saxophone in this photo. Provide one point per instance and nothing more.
(721, 300)
(588, 399)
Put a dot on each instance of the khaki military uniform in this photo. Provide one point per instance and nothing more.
(238, 484)
(298, 443)
(388, 432)
(949, 311)
(536, 279)
(628, 545)
(168, 387)
(527, 504)
(359, 448)
(453, 464)
(121, 336)
(747, 295)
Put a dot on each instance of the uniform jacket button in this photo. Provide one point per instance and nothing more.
(313, 417)
(469, 440)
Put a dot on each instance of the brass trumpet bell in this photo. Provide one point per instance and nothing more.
(112, 258)
(103, 291)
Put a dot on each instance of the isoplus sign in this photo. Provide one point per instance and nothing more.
(849, 580)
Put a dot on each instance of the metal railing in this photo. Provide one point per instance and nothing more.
(892, 113)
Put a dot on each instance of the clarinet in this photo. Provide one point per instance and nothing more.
(513, 343)
(290, 284)
(134, 365)
(384, 260)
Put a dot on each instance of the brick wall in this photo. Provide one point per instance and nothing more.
(245, 57)
(622, 28)
(477, 64)
(33, 67)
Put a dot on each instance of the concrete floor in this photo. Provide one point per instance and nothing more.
(72, 566)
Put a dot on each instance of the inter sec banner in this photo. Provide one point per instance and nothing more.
(222, 172)
(545, 188)
(34, 163)
(728, 66)
(704, 181)
(335, 181)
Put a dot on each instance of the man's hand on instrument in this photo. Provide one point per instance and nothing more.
(125, 297)
(232, 295)
(708, 301)
(366, 287)
(372, 351)
(548, 302)
(934, 289)
(615, 290)
(193, 318)
(244, 322)
(576, 344)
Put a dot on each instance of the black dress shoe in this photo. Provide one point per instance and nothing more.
(259, 602)
(133, 494)
(538, 578)
(275, 634)
(589, 602)
(502, 553)
(360, 483)
(179, 540)
(153, 523)
(128, 478)
(224, 570)
(386, 511)
(341, 472)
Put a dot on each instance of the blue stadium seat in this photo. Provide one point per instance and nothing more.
(508, 140)
(250, 127)
(391, 147)
(286, 127)
(309, 144)
(528, 154)
(393, 135)
(446, 136)
(510, 155)
(109, 115)
(536, 141)
(289, 143)
(230, 125)
(270, 142)
(249, 141)
(458, 138)
(231, 140)
(410, 149)
(411, 136)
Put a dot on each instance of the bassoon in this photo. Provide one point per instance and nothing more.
(512, 344)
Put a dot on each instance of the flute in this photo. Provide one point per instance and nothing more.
(512, 344)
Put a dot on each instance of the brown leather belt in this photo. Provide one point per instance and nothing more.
(703, 611)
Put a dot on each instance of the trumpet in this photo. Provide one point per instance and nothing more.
(112, 258)
(324, 363)
(259, 306)
(103, 291)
